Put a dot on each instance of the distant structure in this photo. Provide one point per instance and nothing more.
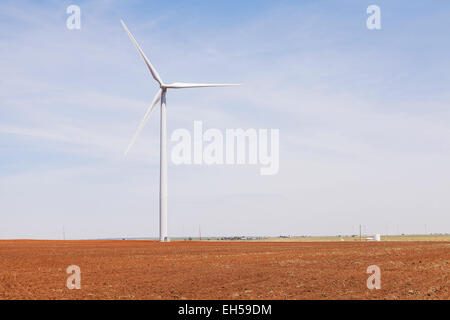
(376, 238)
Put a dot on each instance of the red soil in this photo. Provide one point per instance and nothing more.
(223, 270)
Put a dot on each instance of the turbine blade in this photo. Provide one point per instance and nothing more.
(144, 120)
(181, 85)
(147, 62)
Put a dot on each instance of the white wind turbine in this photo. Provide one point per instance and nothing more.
(161, 95)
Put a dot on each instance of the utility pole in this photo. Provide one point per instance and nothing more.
(360, 237)
(200, 233)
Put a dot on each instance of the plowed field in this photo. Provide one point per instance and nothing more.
(223, 270)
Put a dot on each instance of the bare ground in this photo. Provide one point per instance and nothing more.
(223, 270)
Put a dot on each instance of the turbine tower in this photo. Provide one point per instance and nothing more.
(161, 96)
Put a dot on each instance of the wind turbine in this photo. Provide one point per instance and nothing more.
(161, 96)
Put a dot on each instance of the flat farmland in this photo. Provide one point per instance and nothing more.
(33, 269)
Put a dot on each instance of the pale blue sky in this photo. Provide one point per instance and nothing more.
(363, 117)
